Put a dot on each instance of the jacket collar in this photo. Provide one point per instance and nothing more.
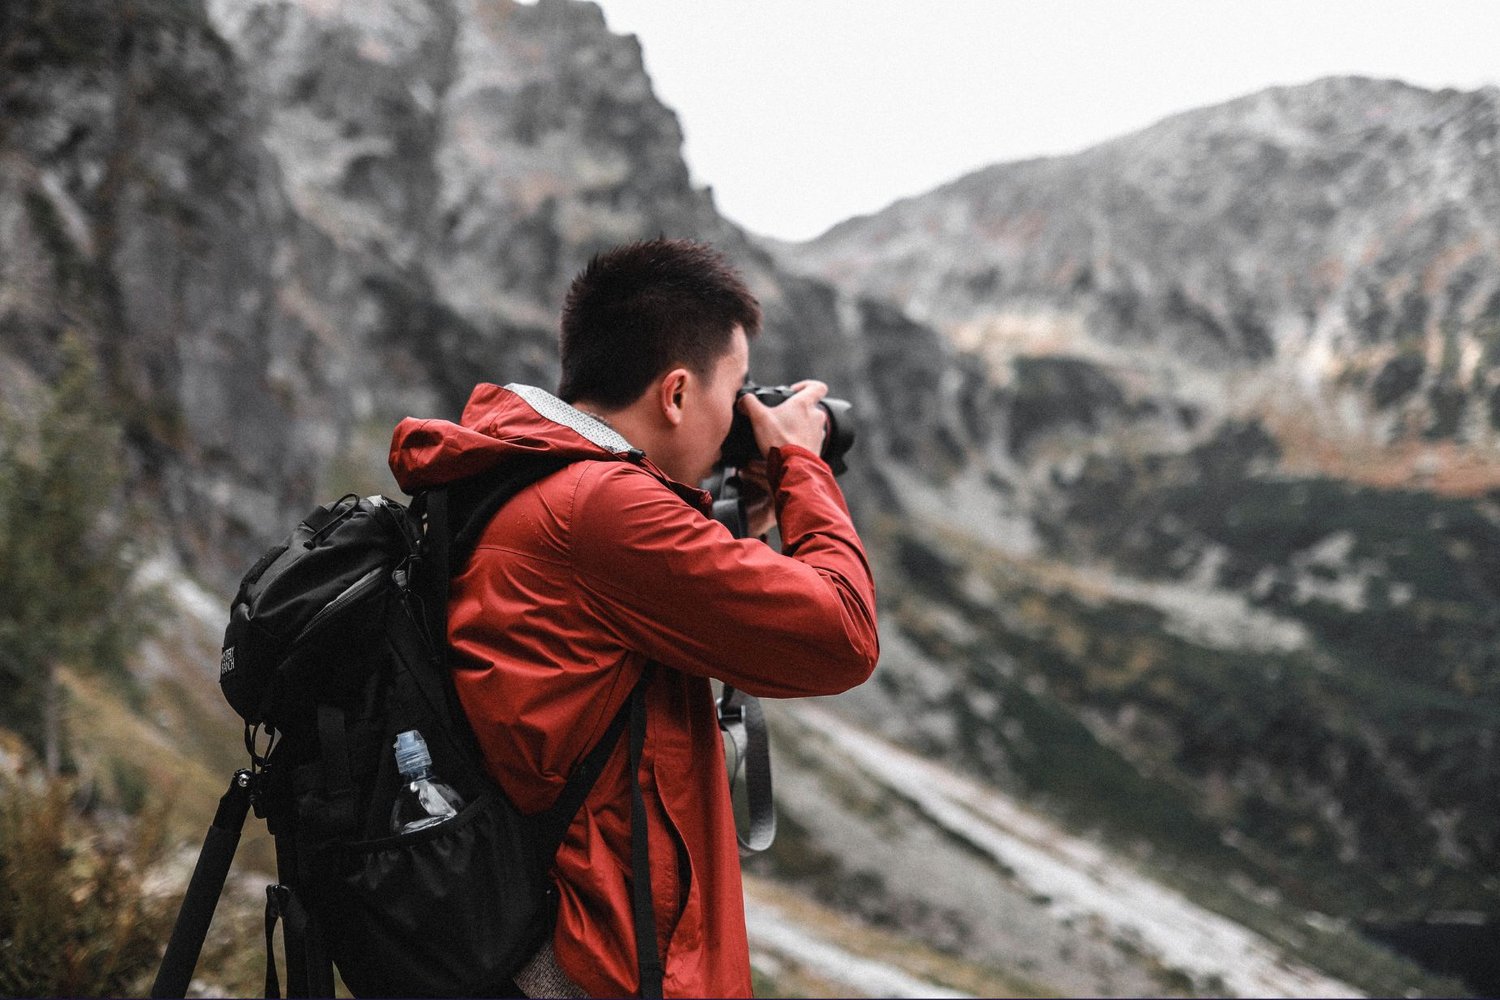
(498, 423)
(589, 427)
(597, 432)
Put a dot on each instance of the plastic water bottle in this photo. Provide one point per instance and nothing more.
(422, 800)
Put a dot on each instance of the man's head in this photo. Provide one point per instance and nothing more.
(655, 334)
(642, 309)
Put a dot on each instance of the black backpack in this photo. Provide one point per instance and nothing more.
(336, 643)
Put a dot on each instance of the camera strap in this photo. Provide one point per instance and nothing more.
(744, 722)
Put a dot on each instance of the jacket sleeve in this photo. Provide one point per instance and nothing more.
(677, 586)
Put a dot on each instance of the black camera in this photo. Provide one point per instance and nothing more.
(739, 447)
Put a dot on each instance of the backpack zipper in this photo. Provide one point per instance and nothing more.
(356, 590)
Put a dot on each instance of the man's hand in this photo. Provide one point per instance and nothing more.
(798, 421)
(760, 506)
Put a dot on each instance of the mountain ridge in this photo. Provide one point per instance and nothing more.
(1277, 232)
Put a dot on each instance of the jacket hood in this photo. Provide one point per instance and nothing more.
(498, 424)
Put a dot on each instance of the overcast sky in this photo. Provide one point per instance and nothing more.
(801, 113)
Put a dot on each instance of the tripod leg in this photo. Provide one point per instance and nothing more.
(203, 891)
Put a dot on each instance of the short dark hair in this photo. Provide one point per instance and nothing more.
(639, 310)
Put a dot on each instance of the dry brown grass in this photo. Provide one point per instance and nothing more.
(74, 919)
(1445, 468)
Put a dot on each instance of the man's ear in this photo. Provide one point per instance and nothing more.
(672, 388)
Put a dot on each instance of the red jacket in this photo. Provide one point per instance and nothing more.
(576, 585)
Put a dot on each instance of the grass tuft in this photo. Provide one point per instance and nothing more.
(74, 919)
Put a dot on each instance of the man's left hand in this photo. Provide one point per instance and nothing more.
(760, 506)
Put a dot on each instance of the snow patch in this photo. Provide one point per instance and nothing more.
(1083, 880)
(1195, 610)
(1218, 619)
(971, 504)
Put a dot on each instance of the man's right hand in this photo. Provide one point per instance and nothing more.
(799, 421)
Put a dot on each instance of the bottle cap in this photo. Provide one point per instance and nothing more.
(412, 756)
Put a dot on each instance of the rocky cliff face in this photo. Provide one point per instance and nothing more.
(134, 209)
(291, 230)
(287, 225)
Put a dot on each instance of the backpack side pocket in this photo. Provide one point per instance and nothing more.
(452, 910)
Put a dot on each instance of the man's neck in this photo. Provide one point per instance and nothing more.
(623, 421)
(641, 425)
(593, 411)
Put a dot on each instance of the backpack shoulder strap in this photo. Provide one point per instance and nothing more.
(457, 514)
(553, 823)
(456, 517)
(642, 905)
(474, 502)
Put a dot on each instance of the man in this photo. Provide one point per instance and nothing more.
(611, 566)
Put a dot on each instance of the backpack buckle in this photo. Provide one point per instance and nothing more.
(258, 760)
(277, 898)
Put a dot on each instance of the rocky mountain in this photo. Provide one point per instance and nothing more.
(1254, 694)
(1227, 434)
(1333, 245)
